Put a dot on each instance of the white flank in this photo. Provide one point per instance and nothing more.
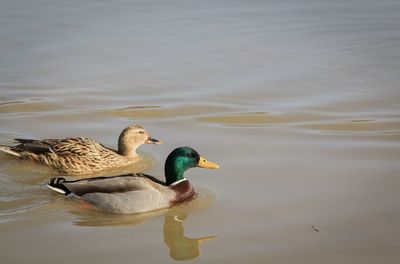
(7, 149)
(56, 189)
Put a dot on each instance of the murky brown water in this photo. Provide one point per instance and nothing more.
(298, 101)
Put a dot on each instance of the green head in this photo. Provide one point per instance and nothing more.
(182, 159)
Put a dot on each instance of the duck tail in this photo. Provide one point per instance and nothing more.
(57, 185)
(7, 149)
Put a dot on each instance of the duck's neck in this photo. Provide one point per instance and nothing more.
(128, 151)
(173, 173)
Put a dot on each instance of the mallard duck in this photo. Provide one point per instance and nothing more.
(82, 155)
(138, 193)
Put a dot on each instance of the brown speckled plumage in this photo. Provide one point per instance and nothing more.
(81, 155)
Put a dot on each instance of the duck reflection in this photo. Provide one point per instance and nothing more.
(181, 247)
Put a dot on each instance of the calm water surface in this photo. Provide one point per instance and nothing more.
(298, 101)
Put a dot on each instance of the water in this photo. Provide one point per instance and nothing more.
(298, 101)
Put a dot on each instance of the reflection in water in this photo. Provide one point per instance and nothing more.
(298, 99)
(181, 247)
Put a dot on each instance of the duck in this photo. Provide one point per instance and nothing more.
(82, 155)
(137, 192)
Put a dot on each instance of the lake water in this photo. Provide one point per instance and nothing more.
(298, 101)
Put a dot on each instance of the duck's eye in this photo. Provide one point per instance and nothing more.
(191, 155)
(141, 132)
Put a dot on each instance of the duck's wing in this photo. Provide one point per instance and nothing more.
(66, 146)
(119, 194)
(31, 146)
(112, 184)
(81, 146)
(34, 146)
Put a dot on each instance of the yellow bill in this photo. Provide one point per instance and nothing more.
(204, 239)
(203, 163)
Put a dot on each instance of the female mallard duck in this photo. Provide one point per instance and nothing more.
(137, 193)
(79, 155)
